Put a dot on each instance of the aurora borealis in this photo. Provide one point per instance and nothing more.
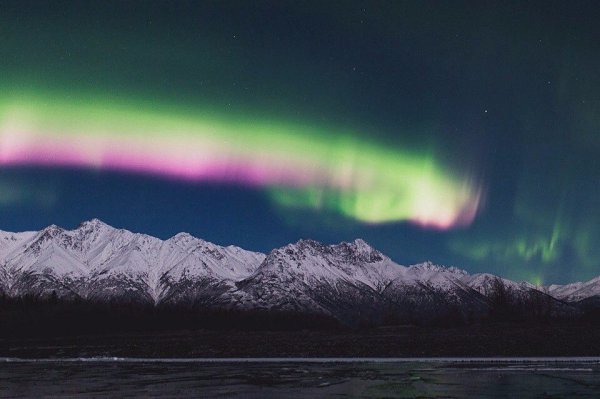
(463, 133)
(356, 177)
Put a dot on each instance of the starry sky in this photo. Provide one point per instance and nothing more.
(466, 133)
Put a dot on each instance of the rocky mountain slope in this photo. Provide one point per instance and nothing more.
(348, 280)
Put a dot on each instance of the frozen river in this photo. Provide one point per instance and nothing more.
(302, 378)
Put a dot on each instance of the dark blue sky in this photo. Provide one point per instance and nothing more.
(508, 91)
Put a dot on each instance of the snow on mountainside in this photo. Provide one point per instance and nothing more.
(576, 291)
(348, 280)
(97, 261)
(484, 283)
(311, 276)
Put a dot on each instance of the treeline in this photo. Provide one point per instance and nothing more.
(52, 316)
(31, 316)
(498, 303)
(506, 304)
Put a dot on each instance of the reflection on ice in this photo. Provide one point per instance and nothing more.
(298, 378)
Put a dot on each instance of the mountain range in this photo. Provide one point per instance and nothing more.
(348, 281)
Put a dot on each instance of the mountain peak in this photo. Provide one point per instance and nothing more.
(362, 246)
(354, 251)
(362, 250)
(430, 266)
(183, 238)
(47, 235)
(306, 246)
(93, 227)
(93, 224)
(361, 242)
(52, 230)
(308, 242)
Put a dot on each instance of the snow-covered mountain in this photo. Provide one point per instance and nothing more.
(576, 291)
(97, 261)
(348, 280)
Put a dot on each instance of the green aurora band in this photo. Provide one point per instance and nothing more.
(298, 164)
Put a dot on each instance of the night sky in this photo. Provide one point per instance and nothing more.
(466, 133)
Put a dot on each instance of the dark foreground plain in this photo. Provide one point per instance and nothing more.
(492, 339)
(301, 379)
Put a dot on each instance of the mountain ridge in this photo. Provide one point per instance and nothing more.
(98, 262)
